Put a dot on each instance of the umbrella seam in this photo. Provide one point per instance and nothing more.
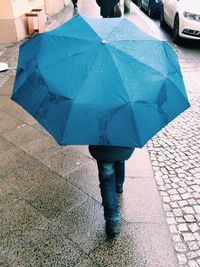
(149, 67)
(96, 32)
(122, 86)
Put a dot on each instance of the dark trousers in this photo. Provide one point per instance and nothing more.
(110, 175)
(75, 2)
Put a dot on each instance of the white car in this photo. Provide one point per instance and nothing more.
(183, 16)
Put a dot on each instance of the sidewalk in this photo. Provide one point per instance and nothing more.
(51, 213)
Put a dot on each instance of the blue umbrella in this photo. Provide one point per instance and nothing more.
(99, 82)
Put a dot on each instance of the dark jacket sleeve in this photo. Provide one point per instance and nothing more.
(110, 153)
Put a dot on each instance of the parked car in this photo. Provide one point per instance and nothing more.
(152, 7)
(183, 17)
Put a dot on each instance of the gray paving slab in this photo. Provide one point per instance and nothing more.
(44, 248)
(8, 195)
(141, 202)
(54, 196)
(8, 122)
(17, 222)
(65, 161)
(138, 159)
(131, 248)
(29, 176)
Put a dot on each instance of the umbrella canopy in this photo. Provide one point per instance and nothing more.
(99, 82)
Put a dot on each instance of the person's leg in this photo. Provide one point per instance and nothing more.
(109, 196)
(75, 3)
(108, 192)
(119, 175)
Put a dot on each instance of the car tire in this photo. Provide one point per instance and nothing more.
(151, 10)
(140, 4)
(175, 31)
(163, 24)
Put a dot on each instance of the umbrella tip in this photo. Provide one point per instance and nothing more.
(103, 41)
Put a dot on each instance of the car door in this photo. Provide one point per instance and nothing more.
(170, 11)
(145, 4)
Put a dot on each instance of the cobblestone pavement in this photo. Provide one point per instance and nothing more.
(175, 158)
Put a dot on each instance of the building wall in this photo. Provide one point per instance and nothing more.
(53, 7)
(13, 23)
(6, 9)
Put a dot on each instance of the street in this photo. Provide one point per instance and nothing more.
(161, 202)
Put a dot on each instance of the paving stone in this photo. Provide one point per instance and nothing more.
(171, 221)
(197, 236)
(13, 159)
(12, 108)
(136, 194)
(169, 214)
(65, 161)
(182, 259)
(86, 179)
(197, 208)
(189, 218)
(175, 197)
(8, 122)
(191, 255)
(192, 245)
(182, 227)
(22, 134)
(123, 251)
(8, 195)
(186, 196)
(180, 247)
(26, 178)
(5, 145)
(193, 227)
(188, 210)
(180, 219)
(182, 203)
(54, 196)
(41, 147)
(17, 222)
(84, 225)
(177, 212)
(188, 237)
(3, 262)
(173, 229)
(192, 201)
(193, 264)
(44, 248)
(177, 237)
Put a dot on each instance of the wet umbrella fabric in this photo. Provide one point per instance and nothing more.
(99, 81)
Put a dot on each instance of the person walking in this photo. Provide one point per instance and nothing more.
(111, 172)
(107, 8)
(75, 3)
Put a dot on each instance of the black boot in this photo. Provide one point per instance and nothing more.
(112, 228)
(119, 189)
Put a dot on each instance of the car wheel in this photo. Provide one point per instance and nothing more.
(140, 4)
(162, 19)
(175, 31)
(151, 10)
